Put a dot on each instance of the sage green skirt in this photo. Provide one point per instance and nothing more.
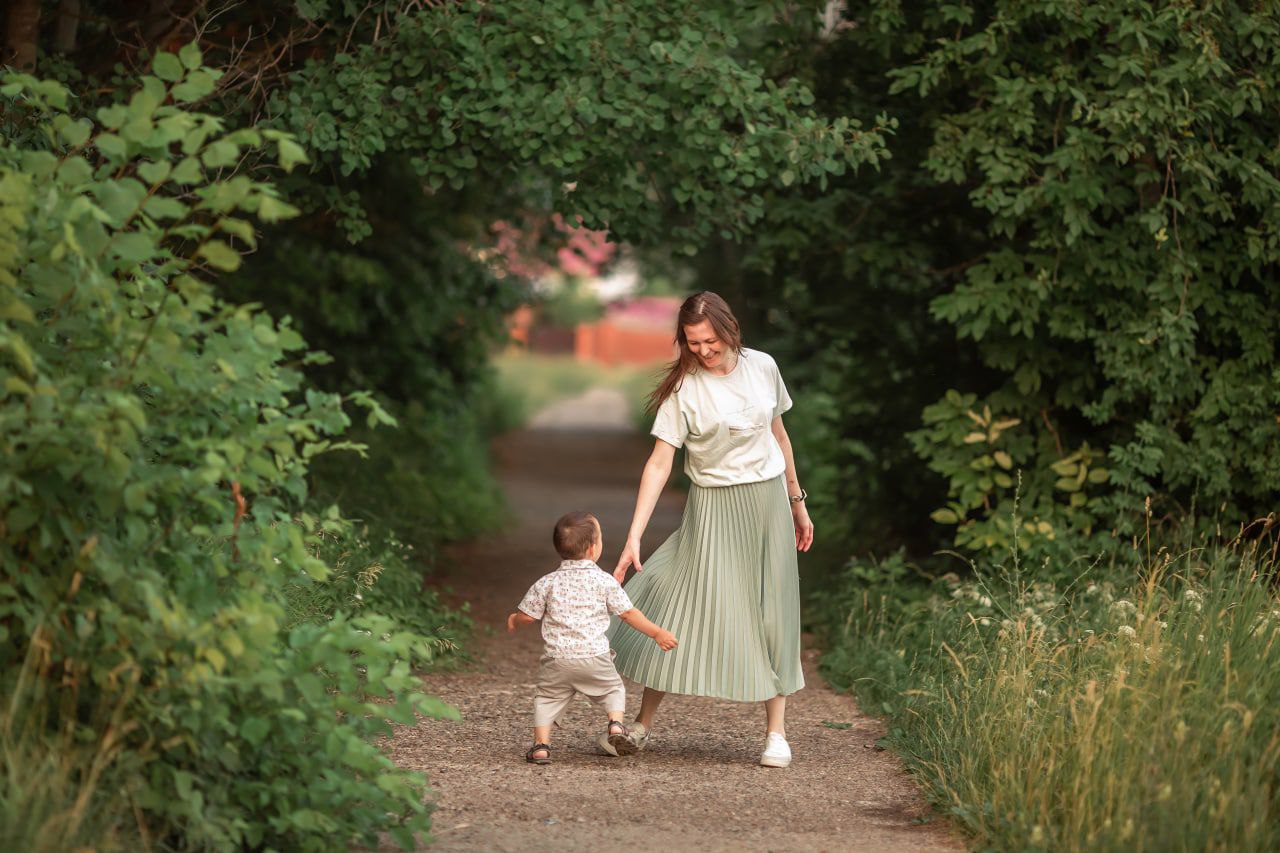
(726, 584)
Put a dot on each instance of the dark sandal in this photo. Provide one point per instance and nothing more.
(620, 740)
(529, 756)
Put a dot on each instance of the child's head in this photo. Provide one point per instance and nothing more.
(577, 536)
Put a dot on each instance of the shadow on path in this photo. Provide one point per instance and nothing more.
(697, 787)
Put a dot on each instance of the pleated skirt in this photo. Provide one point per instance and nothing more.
(726, 584)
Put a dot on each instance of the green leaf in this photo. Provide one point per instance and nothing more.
(133, 246)
(198, 84)
(290, 154)
(154, 173)
(220, 154)
(113, 116)
(188, 171)
(190, 56)
(1099, 475)
(167, 67)
(944, 516)
(271, 209)
(112, 146)
(76, 132)
(163, 207)
(220, 255)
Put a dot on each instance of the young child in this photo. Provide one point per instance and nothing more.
(574, 603)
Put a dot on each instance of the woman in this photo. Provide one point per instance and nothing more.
(726, 582)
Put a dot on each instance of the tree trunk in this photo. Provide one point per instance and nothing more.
(21, 30)
(64, 39)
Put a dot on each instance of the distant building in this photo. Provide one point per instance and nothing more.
(639, 330)
(632, 331)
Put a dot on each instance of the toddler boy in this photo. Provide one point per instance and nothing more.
(574, 603)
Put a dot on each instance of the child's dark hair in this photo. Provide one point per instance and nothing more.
(574, 535)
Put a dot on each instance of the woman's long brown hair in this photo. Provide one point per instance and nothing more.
(701, 306)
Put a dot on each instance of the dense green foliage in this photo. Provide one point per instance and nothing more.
(156, 443)
(1085, 716)
(1077, 234)
(178, 592)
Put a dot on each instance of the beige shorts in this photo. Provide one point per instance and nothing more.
(560, 678)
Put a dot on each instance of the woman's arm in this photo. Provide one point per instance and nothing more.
(799, 514)
(652, 481)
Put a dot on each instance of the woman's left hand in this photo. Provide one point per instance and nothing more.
(804, 527)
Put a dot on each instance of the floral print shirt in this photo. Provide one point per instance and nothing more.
(574, 603)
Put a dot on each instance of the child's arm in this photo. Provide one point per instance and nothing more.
(515, 620)
(665, 639)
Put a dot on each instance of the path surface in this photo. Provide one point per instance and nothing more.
(697, 786)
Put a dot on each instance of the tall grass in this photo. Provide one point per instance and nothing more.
(1099, 716)
(58, 790)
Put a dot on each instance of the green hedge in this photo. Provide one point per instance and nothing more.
(157, 442)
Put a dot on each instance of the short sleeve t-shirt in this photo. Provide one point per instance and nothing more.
(574, 603)
(723, 422)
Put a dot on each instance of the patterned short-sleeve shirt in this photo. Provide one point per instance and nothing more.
(574, 603)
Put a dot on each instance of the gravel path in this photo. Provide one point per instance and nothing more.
(697, 786)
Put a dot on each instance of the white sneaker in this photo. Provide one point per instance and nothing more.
(777, 752)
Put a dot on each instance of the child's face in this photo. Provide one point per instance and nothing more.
(597, 547)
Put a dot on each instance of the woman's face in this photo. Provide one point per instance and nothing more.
(705, 344)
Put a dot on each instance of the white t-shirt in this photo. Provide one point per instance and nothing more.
(723, 422)
(574, 603)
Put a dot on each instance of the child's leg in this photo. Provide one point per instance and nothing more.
(541, 734)
(552, 696)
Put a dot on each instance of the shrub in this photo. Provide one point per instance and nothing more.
(156, 443)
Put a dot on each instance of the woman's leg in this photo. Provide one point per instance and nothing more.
(649, 706)
(775, 712)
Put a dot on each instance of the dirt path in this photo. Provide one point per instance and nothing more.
(697, 786)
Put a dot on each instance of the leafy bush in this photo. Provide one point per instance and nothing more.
(1083, 715)
(427, 481)
(1077, 231)
(156, 442)
(373, 572)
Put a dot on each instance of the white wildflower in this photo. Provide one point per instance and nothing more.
(984, 601)
(984, 621)
(1126, 631)
(1194, 599)
(1123, 606)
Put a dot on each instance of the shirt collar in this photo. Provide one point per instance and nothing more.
(578, 564)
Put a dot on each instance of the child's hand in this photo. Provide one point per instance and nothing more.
(511, 623)
(665, 640)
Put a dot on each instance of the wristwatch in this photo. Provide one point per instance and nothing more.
(795, 499)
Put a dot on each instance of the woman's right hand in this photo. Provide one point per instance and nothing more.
(630, 557)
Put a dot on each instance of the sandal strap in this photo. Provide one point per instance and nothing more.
(538, 746)
(620, 725)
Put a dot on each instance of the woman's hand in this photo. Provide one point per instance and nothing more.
(804, 527)
(630, 557)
